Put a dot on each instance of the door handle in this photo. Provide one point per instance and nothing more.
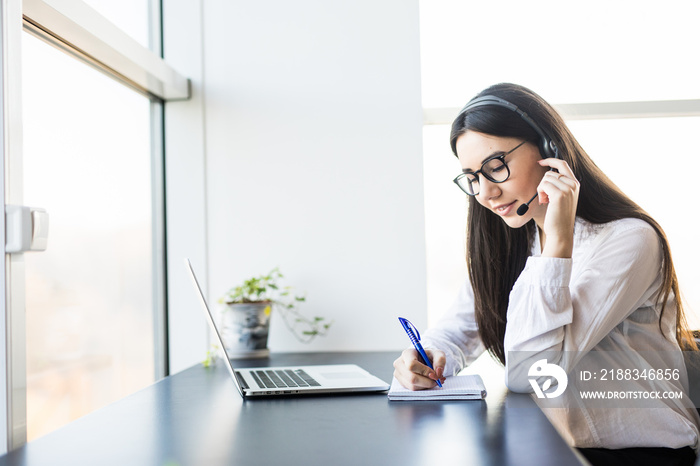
(26, 229)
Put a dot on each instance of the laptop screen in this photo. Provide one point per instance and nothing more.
(212, 324)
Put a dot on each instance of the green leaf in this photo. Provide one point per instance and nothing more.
(209, 360)
(268, 288)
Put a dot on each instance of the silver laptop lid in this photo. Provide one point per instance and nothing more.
(212, 324)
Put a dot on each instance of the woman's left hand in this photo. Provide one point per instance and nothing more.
(560, 191)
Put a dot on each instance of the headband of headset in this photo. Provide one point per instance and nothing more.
(547, 146)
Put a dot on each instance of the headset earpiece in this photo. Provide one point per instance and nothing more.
(549, 149)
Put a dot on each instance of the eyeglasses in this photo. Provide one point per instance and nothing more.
(494, 169)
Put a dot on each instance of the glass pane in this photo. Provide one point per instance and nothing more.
(87, 161)
(654, 161)
(445, 221)
(592, 51)
(131, 16)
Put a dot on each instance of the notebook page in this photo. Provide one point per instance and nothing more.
(457, 387)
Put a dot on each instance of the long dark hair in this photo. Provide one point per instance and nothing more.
(496, 253)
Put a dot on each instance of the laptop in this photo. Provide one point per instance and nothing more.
(257, 382)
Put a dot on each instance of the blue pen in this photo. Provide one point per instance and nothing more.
(415, 339)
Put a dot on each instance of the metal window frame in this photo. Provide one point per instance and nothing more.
(81, 31)
(12, 359)
(158, 202)
(159, 243)
(593, 111)
(76, 28)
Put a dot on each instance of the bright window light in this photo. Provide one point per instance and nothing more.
(567, 52)
(89, 296)
(594, 51)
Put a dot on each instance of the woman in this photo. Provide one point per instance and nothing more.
(563, 266)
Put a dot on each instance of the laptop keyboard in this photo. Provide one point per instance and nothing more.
(284, 378)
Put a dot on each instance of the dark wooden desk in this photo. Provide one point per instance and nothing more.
(196, 417)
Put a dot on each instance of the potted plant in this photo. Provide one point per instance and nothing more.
(246, 315)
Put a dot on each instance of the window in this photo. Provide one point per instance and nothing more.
(567, 52)
(570, 54)
(89, 304)
(86, 318)
(131, 16)
(667, 148)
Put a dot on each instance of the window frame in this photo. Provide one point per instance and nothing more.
(593, 111)
(77, 29)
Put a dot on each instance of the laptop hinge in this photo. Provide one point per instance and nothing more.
(242, 381)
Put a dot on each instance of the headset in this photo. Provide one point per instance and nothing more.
(546, 145)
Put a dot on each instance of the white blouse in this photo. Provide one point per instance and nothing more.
(602, 299)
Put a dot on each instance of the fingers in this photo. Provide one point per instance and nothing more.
(564, 182)
(558, 164)
(438, 360)
(560, 181)
(560, 190)
(413, 374)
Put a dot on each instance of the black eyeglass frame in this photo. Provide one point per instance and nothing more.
(475, 174)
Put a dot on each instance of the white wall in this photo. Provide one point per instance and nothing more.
(313, 136)
(313, 126)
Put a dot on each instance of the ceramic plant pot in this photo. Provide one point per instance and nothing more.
(245, 328)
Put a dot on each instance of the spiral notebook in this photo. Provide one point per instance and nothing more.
(459, 387)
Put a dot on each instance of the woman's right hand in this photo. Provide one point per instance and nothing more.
(413, 374)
